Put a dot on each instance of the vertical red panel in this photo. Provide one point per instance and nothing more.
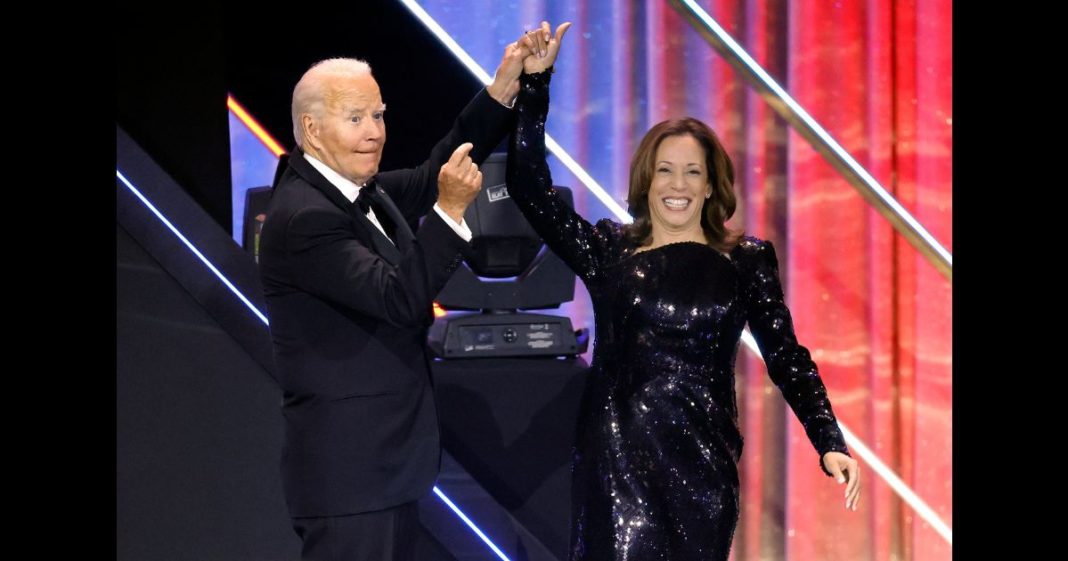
(828, 264)
(932, 475)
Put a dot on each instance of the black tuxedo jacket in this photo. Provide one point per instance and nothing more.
(349, 311)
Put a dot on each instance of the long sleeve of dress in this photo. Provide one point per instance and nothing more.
(581, 245)
(790, 365)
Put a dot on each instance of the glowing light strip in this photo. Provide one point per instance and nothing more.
(254, 126)
(550, 143)
(189, 244)
(470, 524)
(899, 486)
(871, 182)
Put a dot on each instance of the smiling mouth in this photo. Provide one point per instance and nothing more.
(677, 203)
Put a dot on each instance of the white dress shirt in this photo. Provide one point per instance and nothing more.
(351, 190)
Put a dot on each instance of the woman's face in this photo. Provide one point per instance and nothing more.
(680, 185)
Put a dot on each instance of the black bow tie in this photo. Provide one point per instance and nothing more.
(368, 195)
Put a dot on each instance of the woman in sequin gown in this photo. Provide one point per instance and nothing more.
(654, 472)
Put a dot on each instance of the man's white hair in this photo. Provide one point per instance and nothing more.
(308, 95)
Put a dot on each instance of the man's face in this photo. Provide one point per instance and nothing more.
(352, 131)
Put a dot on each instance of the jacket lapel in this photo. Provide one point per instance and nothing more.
(379, 242)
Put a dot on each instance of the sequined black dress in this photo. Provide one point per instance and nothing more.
(654, 474)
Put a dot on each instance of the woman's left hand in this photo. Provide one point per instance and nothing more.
(845, 470)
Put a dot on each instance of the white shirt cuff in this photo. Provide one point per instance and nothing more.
(461, 229)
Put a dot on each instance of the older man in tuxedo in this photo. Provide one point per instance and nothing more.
(349, 288)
